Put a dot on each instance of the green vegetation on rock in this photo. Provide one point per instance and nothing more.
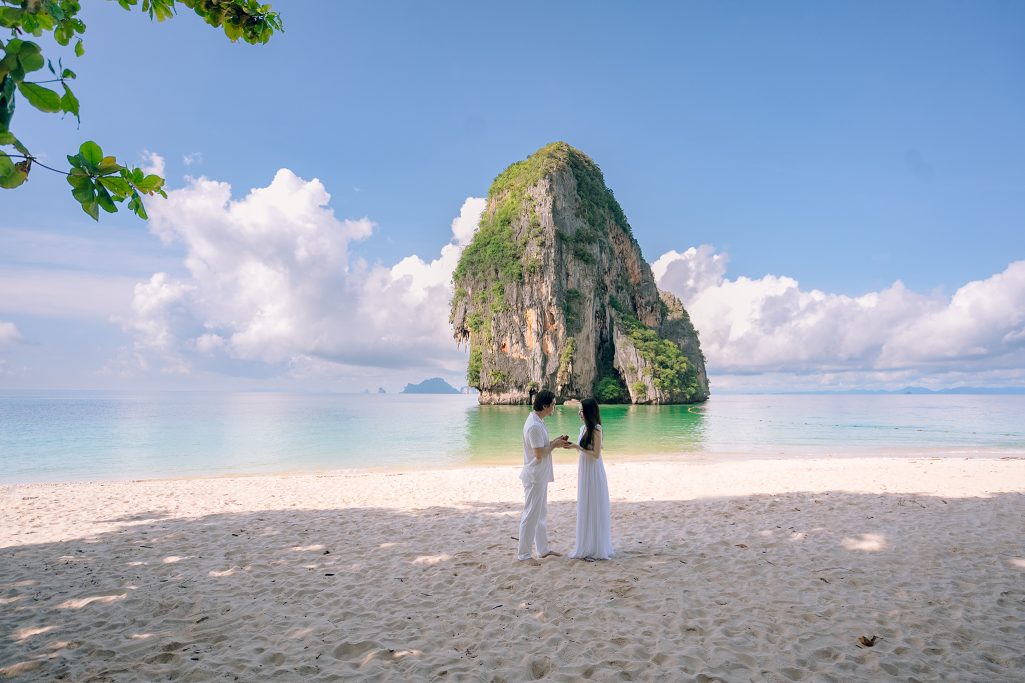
(473, 370)
(597, 203)
(566, 357)
(571, 310)
(670, 370)
(640, 389)
(610, 390)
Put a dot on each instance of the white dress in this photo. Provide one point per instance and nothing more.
(594, 514)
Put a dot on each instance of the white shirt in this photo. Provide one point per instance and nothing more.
(535, 435)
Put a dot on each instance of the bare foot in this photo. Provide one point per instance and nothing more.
(552, 552)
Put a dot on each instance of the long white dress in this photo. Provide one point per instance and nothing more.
(594, 514)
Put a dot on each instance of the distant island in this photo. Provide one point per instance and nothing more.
(434, 385)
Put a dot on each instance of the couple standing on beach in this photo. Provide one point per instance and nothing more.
(594, 517)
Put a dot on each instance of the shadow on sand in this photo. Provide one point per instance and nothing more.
(746, 588)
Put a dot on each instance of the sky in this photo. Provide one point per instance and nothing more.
(835, 190)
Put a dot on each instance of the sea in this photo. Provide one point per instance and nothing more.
(74, 436)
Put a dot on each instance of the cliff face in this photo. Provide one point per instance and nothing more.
(553, 293)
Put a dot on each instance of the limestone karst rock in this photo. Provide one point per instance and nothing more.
(553, 292)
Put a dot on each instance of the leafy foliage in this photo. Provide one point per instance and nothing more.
(597, 203)
(671, 372)
(474, 368)
(97, 181)
(566, 357)
(610, 390)
(572, 311)
(640, 389)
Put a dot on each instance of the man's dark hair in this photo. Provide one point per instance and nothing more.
(543, 399)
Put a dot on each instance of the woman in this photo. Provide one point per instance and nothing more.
(594, 516)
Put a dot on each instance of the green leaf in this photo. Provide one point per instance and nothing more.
(63, 34)
(79, 179)
(93, 209)
(233, 31)
(91, 153)
(118, 186)
(150, 183)
(31, 57)
(11, 180)
(79, 48)
(7, 102)
(108, 165)
(69, 103)
(41, 98)
(104, 200)
(135, 204)
(69, 74)
(10, 17)
(85, 192)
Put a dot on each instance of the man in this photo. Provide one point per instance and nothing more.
(536, 474)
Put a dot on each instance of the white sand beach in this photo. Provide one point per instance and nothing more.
(741, 571)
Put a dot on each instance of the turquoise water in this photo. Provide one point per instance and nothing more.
(85, 435)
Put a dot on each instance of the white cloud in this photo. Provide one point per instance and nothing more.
(194, 158)
(983, 322)
(691, 272)
(770, 325)
(9, 334)
(152, 163)
(465, 225)
(271, 281)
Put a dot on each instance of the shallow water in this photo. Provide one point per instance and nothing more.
(52, 436)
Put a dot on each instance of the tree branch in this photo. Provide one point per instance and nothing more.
(36, 161)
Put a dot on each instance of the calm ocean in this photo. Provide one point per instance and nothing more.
(54, 436)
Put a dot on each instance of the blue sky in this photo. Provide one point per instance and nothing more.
(834, 148)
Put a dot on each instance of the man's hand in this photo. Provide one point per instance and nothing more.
(560, 441)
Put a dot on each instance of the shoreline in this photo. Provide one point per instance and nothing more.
(730, 570)
(680, 457)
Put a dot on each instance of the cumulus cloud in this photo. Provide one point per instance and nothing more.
(771, 325)
(194, 158)
(152, 163)
(271, 281)
(9, 334)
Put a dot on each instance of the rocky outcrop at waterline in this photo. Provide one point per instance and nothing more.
(553, 292)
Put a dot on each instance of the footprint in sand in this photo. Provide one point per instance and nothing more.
(540, 667)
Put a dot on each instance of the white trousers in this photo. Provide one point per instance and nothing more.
(534, 522)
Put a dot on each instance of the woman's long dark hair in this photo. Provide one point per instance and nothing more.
(591, 418)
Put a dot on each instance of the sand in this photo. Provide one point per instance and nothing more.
(751, 570)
